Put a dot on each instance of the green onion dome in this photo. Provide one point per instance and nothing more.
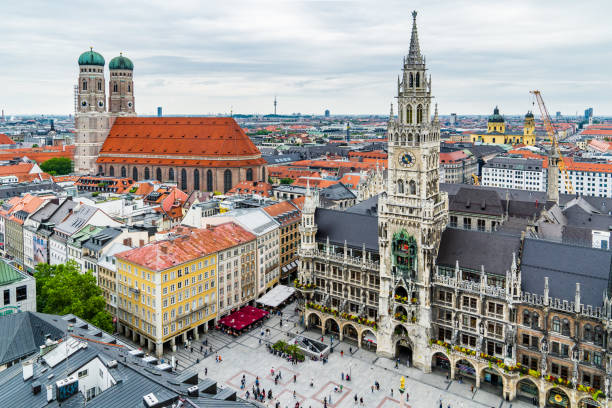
(91, 58)
(121, 62)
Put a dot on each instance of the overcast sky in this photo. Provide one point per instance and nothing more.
(201, 57)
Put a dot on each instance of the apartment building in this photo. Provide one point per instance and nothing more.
(167, 290)
(514, 172)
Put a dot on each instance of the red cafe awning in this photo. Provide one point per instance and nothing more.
(243, 317)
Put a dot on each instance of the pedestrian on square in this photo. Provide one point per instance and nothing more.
(294, 378)
(205, 371)
(392, 394)
(342, 376)
(355, 398)
(372, 388)
(361, 401)
(341, 353)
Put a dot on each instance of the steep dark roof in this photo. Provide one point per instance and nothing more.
(336, 192)
(339, 226)
(476, 248)
(21, 334)
(565, 265)
(475, 200)
(365, 207)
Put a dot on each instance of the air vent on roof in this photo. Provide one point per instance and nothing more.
(150, 400)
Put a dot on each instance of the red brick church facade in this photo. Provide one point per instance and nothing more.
(204, 154)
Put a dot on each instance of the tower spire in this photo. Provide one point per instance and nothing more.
(414, 54)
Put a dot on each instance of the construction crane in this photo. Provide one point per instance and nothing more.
(555, 151)
(475, 180)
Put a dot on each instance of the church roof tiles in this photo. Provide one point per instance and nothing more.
(180, 141)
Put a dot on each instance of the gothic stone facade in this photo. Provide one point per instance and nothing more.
(471, 303)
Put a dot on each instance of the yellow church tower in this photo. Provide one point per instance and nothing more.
(529, 130)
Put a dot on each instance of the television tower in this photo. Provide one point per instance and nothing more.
(274, 105)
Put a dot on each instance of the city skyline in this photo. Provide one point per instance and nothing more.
(194, 59)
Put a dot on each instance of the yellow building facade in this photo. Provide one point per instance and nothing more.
(167, 291)
(497, 134)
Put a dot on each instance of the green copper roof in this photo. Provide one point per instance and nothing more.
(91, 58)
(496, 117)
(121, 62)
(8, 274)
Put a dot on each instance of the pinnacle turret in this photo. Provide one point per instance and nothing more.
(414, 54)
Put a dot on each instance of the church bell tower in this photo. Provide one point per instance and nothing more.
(412, 213)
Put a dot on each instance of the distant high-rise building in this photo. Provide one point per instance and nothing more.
(2, 119)
(159, 111)
(275, 102)
(327, 113)
(588, 113)
(453, 119)
(558, 115)
(348, 132)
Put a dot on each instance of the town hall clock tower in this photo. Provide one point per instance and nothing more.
(412, 215)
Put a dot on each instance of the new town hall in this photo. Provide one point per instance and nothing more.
(456, 278)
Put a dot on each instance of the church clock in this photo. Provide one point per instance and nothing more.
(407, 159)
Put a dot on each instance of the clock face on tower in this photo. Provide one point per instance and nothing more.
(407, 159)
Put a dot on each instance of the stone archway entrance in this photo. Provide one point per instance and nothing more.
(588, 403)
(492, 380)
(465, 370)
(441, 363)
(314, 321)
(557, 398)
(368, 340)
(527, 390)
(349, 334)
(332, 327)
(403, 350)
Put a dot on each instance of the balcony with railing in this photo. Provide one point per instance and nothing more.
(470, 286)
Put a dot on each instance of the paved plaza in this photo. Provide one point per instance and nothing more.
(246, 356)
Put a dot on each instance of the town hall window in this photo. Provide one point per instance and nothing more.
(419, 117)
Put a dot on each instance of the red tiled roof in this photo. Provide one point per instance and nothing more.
(188, 141)
(600, 145)
(572, 165)
(38, 154)
(350, 180)
(284, 207)
(337, 164)
(5, 140)
(314, 182)
(190, 245)
(452, 157)
(375, 154)
(252, 187)
(299, 202)
(16, 169)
